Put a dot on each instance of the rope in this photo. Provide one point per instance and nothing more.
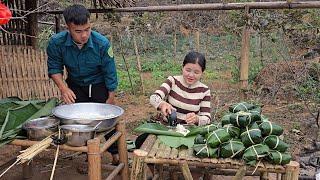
(280, 157)
(276, 143)
(255, 169)
(213, 132)
(204, 147)
(239, 105)
(242, 113)
(248, 132)
(271, 128)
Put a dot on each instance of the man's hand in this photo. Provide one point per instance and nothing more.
(111, 98)
(192, 118)
(165, 108)
(68, 95)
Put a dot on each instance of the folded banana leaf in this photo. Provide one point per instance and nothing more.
(270, 128)
(242, 119)
(254, 153)
(199, 139)
(46, 110)
(215, 138)
(205, 151)
(251, 135)
(203, 130)
(175, 142)
(263, 119)
(256, 114)
(275, 143)
(226, 119)
(242, 106)
(232, 149)
(276, 157)
(158, 129)
(232, 130)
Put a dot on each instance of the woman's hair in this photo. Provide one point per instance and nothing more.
(76, 14)
(194, 57)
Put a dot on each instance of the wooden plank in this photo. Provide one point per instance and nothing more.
(174, 153)
(160, 152)
(148, 143)
(183, 154)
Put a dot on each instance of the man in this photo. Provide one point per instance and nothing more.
(88, 58)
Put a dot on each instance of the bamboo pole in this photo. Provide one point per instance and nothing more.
(94, 159)
(197, 35)
(264, 176)
(113, 174)
(138, 63)
(292, 171)
(244, 63)
(122, 148)
(138, 167)
(240, 173)
(110, 141)
(208, 6)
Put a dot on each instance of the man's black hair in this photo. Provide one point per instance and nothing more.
(194, 57)
(76, 14)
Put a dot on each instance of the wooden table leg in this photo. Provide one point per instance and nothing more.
(122, 148)
(138, 171)
(186, 171)
(94, 159)
(292, 171)
(27, 171)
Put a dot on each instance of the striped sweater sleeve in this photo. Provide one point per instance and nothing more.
(205, 107)
(160, 94)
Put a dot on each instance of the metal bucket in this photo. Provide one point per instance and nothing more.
(40, 128)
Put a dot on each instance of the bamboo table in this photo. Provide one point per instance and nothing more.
(94, 150)
(154, 152)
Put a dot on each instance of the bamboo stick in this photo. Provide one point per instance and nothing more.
(240, 173)
(110, 141)
(138, 166)
(138, 63)
(113, 174)
(186, 171)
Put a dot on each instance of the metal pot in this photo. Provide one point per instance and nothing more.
(77, 135)
(89, 114)
(40, 128)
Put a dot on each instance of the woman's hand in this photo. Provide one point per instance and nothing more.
(165, 108)
(192, 118)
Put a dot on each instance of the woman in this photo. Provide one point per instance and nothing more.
(185, 93)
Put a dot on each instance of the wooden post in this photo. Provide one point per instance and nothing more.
(186, 171)
(58, 25)
(197, 34)
(138, 167)
(27, 172)
(94, 159)
(32, 25)
(240, 173)
(122, 148)
(264, 176)
(292, 171)
(245, 49)
(175, 43)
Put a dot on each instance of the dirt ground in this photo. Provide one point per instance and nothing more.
(300, 130)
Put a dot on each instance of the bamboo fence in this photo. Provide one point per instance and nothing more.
(23, 73)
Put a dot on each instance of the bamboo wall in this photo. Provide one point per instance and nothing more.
(23, 73)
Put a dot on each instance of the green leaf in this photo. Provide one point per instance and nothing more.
(156, 128)
(46, 110)
(9, 99)
(177, 141)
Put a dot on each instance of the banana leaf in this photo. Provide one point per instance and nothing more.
(232, 149)
(217, 137)
(251, 135)
(203, 130)
(242, 106)
(254, 153)
(158, 129)
(9, 99)
(276, 157)
(199, 139)
(270, 128)
(241, 119)
(176, 142)
(226, 119)
(263, 119)
(256, 114)
(46, 110)
(232, 130)
(4, 107)
(275, 143)
(205, 151)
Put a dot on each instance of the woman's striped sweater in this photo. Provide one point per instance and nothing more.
(184, 98)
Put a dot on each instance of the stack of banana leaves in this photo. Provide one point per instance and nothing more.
(14, 112)
(244, 133)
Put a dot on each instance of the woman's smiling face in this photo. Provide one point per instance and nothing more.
(191, 73)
